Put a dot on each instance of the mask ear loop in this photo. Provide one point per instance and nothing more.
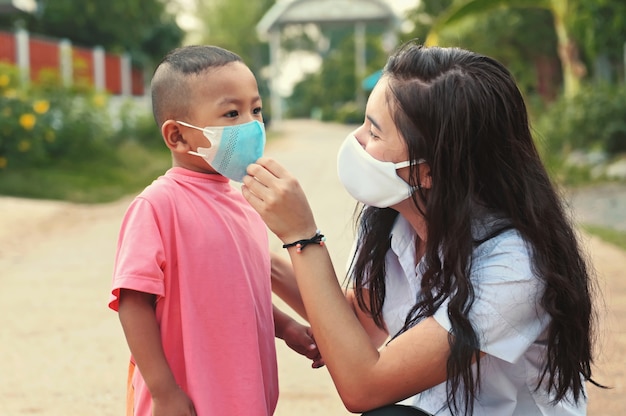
(407, 163)
(401, 165)
(204, 131)
(190, 125)
(191, 152)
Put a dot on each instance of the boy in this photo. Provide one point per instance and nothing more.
(192, 272)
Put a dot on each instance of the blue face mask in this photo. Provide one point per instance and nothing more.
(233, 148)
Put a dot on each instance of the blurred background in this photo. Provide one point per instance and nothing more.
(78, 141)
(75, 120)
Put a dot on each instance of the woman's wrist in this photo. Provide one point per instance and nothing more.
(299, 233)
(299, 245)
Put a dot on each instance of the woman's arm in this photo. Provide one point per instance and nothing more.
(285, 286)
(377, 335)
(365, 377)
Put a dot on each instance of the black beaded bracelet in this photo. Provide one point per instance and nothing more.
(318, 238)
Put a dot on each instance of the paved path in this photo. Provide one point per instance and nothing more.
(603, 205)
(63, 353)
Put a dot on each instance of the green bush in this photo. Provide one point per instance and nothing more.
(72, 143)
(593, 120)
(350, 113)
(136, 124)
(44, 123)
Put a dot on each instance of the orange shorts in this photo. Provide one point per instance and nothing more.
(130, 390)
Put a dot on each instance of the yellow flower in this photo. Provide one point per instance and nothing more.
(5, 80)
(3, 162)
(49, 136)
(99, 100)
(41, 106)
(27, 121)
(24, 146)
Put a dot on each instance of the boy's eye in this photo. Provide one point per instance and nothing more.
(233, 113)
(372, 135)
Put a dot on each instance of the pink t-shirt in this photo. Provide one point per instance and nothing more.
(193, 240)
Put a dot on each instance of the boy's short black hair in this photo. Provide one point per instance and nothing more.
(170, 88)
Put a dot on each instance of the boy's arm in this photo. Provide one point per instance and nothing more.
(137, 315)
(284, 284)
(298, 337)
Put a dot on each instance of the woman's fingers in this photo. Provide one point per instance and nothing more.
(277, 196)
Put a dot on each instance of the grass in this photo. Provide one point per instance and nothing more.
(612, 236)
(98, 181)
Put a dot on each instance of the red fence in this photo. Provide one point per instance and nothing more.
(8, 49)
(44, 54)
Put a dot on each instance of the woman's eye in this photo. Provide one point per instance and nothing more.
(257, 110)
(233, 113)
(372, 135)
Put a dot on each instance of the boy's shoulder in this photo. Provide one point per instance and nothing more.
(157, 189)
(161, 194)
(178, 185)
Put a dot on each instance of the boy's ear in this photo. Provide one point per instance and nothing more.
(170, 130)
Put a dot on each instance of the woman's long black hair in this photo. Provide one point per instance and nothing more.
(463, 113)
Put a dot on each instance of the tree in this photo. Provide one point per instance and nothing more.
(143, 28)
(600, 27)
(332, 88)
(231, 24)
(424, 16)
(528, 35)
(563, 14)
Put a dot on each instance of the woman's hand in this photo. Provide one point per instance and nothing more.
(277, 196)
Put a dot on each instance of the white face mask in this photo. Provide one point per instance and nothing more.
(369, 180)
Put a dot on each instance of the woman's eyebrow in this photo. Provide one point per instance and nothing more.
(374, 123)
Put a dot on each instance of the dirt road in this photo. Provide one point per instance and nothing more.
(62, 351)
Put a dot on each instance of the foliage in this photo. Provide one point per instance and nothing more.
(231, 24)
(50, 133)
(424, 16)
(600, 27)
(44, 122)
(331, 90)
(525, 42)
(349, 113)
(522, 39)
(593, 119)
(563, 14)
(129, 169)
(143, 28)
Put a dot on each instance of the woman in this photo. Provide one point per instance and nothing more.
(464, 254)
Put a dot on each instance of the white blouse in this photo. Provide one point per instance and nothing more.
(506, 315)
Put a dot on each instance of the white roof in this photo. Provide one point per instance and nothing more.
(324, 11)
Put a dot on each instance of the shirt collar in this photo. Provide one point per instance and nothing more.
(403, 245)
